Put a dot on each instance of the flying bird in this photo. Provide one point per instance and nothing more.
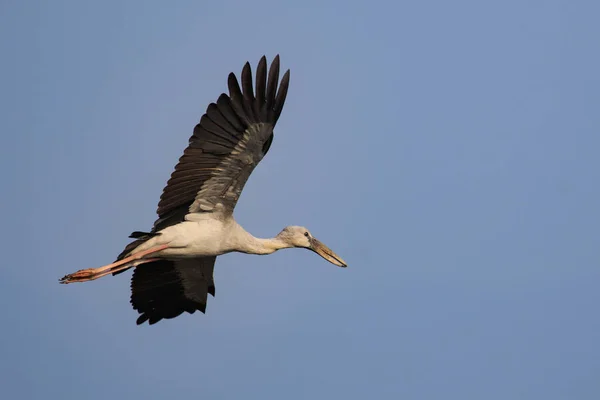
(173, 263)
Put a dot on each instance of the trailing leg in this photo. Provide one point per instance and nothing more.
(90, 274)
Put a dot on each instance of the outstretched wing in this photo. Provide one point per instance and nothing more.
(232, 137)
(165, 289)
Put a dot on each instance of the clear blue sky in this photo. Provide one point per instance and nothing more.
(449, 151)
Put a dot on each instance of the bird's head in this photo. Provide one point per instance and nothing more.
(298, 236)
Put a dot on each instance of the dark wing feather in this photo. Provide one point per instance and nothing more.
(232, 137)
(166, 289)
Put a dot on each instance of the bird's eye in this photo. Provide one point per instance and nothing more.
(306, 234)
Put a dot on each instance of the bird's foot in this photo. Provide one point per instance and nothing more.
(80, 276)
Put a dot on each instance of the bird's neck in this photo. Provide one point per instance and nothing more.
(254, 245)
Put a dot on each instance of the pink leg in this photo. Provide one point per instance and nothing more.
(95, 273)
(108, 272)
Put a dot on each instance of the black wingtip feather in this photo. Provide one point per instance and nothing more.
(281, 95)
(247, 89)
(248, 92)
(234, 87)
(272, 81)
(237, 97)
(261, 87)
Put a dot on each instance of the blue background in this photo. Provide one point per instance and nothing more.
(448, 151)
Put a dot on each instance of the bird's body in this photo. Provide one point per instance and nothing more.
(174, 262)
(203, 235)
(200, 236)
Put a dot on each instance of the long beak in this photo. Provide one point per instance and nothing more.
(326, 253)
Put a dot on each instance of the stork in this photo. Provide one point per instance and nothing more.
(174, 262)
